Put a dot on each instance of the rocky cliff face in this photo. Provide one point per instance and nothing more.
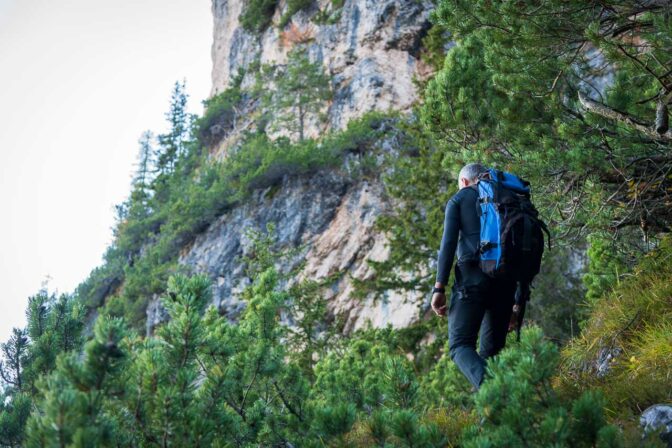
(372, 56)
(331, 217)
(371, 52)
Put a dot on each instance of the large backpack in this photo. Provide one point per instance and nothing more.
(512, 239)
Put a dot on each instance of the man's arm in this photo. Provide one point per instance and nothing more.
(451, 231)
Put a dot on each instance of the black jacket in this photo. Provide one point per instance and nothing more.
(461, 231)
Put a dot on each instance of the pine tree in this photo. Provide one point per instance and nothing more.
(142, 177)
(75, 393)
(172, 144)
(199, 380)
(301, 89)
(14, 400)
(133, 222)
(384, 398)
(13, 359)
(519, 406)
(54, 327)
(564, 94)
(15, 409)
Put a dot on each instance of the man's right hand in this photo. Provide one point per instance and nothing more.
(439, 303)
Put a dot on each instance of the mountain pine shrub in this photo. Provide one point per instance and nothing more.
(520, 407)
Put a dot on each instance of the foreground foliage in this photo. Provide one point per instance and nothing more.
(55, 326)
(203, 380)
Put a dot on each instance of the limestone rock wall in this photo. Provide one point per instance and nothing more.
(331, 217)
(371, 53)
(372, 56)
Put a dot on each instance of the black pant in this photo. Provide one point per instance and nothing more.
(477, 302)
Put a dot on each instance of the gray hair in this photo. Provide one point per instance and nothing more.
(471, 171)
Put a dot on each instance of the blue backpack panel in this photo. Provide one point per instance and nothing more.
(512, 239)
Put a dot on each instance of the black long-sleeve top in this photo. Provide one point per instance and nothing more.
(461, 231)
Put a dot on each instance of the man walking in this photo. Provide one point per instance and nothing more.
(477, 302)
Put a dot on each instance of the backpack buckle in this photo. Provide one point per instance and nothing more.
(487, 246)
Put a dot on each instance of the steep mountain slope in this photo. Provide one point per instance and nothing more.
(371, 52)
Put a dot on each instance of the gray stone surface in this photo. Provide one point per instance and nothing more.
(371, 53)
(156, 314)
(331, 219)
(301, 208)
(605, 357)
(658, 418)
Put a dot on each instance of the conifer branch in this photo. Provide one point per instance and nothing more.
(605, 111)
(286, 403)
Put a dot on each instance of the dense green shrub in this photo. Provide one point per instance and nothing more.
(221, 112)
(54, 326)
(201, 379)
(126, 391)
(261, 162)
(607, 263)
(521, 408)
(257, 14)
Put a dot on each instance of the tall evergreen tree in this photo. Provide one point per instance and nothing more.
(172, 144)
(131, 227)
(13, 359)
(301, 90)
(145, 162)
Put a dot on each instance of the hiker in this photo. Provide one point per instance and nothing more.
(477, 301)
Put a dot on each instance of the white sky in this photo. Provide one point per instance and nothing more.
(80, 80)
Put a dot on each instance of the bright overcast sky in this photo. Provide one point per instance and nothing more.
(80, 80)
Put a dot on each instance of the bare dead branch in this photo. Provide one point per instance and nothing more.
(605, 111)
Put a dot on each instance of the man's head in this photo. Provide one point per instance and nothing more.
(469, 174)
